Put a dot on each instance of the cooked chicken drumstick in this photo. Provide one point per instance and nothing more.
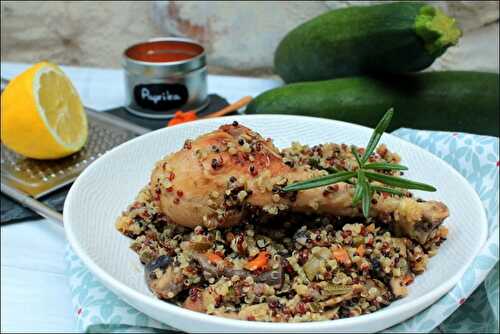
(214, 178)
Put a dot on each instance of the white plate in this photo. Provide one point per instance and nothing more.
(106, 187)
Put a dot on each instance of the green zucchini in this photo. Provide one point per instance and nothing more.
(388, 38)
(448, 100)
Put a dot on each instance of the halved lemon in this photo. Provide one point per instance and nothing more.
(42, 115)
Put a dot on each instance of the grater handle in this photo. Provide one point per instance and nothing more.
(32, 203)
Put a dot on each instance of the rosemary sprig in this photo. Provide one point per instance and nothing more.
(363, 191)
(321, 181)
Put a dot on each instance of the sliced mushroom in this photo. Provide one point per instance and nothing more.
(301, 236)
(162, 279)
(209, 270)
(272, 278)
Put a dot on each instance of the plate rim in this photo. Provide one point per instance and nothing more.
(125, 292)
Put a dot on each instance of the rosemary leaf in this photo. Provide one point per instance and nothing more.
(356, 155)
(358, 192)
(320, 181)
(388, 190)
(366, 200)
(385, 166)
(333, 170)
(377, 134)
(398, 182)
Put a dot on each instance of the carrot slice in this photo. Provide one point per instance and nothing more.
(259, 262)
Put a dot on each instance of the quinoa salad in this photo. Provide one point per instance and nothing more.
(276, 264)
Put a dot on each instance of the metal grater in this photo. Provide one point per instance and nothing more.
(40, 177)
(26, 180)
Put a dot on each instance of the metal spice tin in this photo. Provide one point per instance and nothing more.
(164, 75)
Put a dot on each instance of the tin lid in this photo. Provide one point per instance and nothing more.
(160, 57)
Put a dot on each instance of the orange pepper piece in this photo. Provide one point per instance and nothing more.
(182, 117)
(340, 254)
(259, 262)
(214, 258)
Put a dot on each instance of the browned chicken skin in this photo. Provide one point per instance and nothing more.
(214, 178)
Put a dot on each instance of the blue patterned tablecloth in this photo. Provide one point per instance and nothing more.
(471, 306)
